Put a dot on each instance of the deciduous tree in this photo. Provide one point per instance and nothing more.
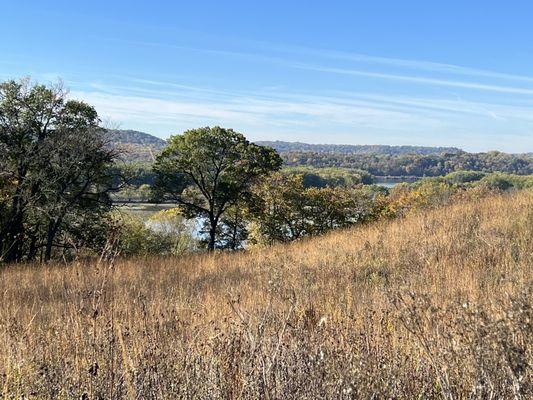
(207, 170)
(54, 161)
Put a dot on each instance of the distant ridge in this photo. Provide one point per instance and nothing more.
(378, 160)
(284, 147)
(139, 146)
(136, 146)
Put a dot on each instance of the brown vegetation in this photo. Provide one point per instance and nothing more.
(432, 305)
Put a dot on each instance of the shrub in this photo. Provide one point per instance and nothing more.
(460, 177)
(284, 209)
(504, 182)
(164, 233)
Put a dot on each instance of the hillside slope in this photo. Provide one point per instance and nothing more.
(136, 146)
(434, 305)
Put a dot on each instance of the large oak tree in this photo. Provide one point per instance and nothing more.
(208, 170)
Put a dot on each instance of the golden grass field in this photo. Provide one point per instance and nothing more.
(433, 305)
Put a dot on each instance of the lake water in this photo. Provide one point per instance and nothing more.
(388, 185)
(143, 210)
(391, 182)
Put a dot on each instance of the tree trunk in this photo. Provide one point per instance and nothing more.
(32, 252)
(212, 233)
(15, 233)
(52, 230)
(14, 242)
(235, 231)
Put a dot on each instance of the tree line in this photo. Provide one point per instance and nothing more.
(415, 164)
(58, 171)
(284, 147)
(321, 169)
(280, 208)
(140, 178)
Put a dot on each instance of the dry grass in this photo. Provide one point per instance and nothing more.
(436, 305)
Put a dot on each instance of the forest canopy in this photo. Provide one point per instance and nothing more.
(415, 164)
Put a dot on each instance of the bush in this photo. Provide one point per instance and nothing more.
(504, 182)
(284, 209)
(164, 233)
(460, 177)
(330, 177)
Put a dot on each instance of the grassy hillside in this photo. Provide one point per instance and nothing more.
(434, 305)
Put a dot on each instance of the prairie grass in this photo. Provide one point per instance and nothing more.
(434, 305)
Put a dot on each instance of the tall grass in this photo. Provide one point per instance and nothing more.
(434, 305)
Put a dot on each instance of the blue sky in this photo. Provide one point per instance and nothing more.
(454, 73)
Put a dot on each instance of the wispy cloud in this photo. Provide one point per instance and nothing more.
(406, 63)
(483, 106)
(278, 112)
(288, 57)
(287, 100)
(260, 112)
(286, 53)
(416, 79)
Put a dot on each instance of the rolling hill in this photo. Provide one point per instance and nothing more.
(283, 147)
(142, 147)
(136, 146)
(433, 305)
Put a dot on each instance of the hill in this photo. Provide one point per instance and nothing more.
(283, 147)
(433, 305)
(140, 146)
(378, 160)
(136, 146)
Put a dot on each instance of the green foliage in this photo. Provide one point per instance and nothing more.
(131, 193)
(134, 174)
(207, 170)
(465, 179)
(503, 181)
(278, 209)
(415, 164)
(332, 208)
(460, 177)
(232, 230)
(165, 233)
(330, 177)
(283, 209)
(54, 179)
